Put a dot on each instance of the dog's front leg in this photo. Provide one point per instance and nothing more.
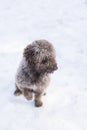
(28, 94)
(38, 102)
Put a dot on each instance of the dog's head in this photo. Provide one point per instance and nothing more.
(40, 56)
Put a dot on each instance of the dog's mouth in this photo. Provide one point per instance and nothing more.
(52, 69)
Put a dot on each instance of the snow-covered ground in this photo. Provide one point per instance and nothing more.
(64, 23)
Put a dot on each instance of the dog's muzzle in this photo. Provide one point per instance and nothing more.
(55, 67)
(52, 68)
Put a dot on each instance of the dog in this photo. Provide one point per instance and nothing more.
(33, 74)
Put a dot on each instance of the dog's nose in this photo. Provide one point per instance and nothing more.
(55, 67)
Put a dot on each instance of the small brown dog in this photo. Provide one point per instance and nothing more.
(33, 74)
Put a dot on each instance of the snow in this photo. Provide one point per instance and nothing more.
(64, 23)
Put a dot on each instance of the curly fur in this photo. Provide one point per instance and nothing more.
(33, 74)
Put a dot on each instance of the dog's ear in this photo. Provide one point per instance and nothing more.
(28, 53)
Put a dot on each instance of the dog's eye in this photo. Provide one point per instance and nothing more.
(44, 61)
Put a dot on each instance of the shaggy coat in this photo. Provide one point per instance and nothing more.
(33, 74)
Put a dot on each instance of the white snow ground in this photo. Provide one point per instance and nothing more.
(64, 23)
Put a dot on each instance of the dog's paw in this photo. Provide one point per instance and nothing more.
(17, 92)
(29, 96)
(38, 103)
(44, 94)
